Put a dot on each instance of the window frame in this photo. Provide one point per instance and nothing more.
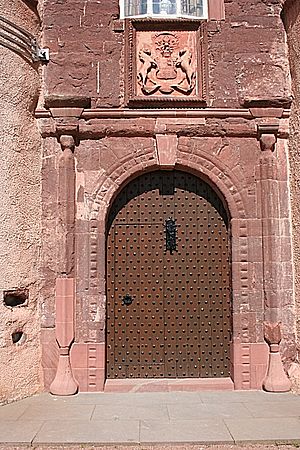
(161, 16)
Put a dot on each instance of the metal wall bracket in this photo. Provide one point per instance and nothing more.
(39, 54)
(21, 42)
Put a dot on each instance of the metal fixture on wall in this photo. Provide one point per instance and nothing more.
(21, 42)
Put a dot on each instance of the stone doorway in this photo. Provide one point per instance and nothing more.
(168, 280)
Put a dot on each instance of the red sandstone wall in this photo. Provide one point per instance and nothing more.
(292, 23)
(247, 65)
(247, 52)
(85, 51)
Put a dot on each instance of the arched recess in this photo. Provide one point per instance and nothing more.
(33, 4)
(169, 305)
(212, 170)
(232, 189)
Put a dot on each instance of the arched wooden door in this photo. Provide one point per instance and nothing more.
(168, 280)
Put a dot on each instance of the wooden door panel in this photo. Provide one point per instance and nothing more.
(179, 321)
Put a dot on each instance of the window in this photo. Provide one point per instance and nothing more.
(192, 9)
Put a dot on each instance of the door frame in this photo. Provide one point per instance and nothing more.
(249, 352)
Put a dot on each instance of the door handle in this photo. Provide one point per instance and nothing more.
(171, 235)
(127, 300)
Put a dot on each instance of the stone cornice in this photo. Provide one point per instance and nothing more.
(245, 113)
(84, 123)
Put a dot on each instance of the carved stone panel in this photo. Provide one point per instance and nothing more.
(166, 62)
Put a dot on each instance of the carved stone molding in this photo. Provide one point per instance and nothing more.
(66, 112)
(219, 113)
(66, 205)
(166, 63)
(267, 142)
(268, 136)
(64, 383)
(67, 142)
(276, 379)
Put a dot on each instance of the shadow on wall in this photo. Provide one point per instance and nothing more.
(290, 13)
(32, 4)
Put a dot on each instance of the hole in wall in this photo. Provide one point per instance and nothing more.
(18, 337)
(17, 297)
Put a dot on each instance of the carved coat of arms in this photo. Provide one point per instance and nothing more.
(167, 65)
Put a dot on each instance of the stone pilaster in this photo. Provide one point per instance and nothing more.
(64, 383)
(276, 379)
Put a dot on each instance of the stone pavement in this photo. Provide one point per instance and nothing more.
(146, 419)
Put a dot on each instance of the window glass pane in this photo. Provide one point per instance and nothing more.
(129, 8)
(143, 7)
(192, 7)
(164, 7)
(135, 7)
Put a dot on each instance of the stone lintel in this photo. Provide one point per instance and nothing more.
(67, 101)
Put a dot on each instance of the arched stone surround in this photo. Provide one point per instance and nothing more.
(249, 351)
(227, 184)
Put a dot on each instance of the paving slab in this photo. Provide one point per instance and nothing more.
(131, 412)
(154, 447)
(145, 398)
(187, 431)
(264, 429)
(85, 432)
(15, 433)
(161, 418)
(12, 412)
(276, 409)
(247, 396)
(208, 410)
(57, 412)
